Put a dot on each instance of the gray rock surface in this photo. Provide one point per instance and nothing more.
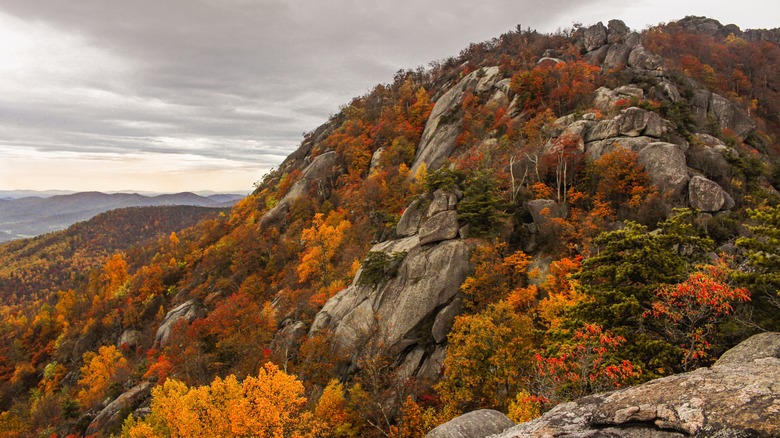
(411, 218)
(634, 122)
(756, 347)
(114, 413)
(710, 161)
(595, 36)
(408, 305)
(705, 104)
(603, 130)
(476, 424)
(443, 125)
(642, 58)
(596, 149)
(444, 320)
(705, 195)
(737, 397)
(184, 311)
(439, 227)
(317, 172)
(665, 163)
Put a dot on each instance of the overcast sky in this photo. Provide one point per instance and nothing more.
(175, 95)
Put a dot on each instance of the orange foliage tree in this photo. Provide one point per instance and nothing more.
(100, 371)
(582, 367)
(497, 276)
(692, 309)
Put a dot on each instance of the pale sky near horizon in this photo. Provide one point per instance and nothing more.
(186, 95)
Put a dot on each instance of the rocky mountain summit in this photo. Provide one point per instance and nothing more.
(417, 305)
(739, 396)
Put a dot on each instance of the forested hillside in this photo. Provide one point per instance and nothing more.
(537, 219)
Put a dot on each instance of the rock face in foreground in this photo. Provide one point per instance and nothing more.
(739, 396)
(476, 424)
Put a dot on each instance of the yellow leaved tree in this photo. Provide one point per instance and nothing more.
(270, 405)
(100, 371)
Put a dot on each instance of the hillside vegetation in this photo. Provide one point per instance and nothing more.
(537, 219)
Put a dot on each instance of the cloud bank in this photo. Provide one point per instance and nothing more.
(210, 94)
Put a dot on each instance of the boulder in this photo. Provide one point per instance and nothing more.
(705, 104)
(617, 56)
(115, 412)
(441, 226)
(439, 204)
(739, 396)
(603, 130)
(665, 163)
(729, 116)
(617, 30)
(595, 37)
(756, 347)
(633, 122)
(185, 311)
(595, 57)
(543, 211)
(475, 424)
(643, 59)
(605, 98)
(129, 340)
(705, 195)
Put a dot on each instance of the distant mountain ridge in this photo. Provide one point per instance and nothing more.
(34, 215)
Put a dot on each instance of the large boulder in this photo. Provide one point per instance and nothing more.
(441, 226)
(412, 218)
(594, 37)
(706, 195)
(665, 163)
(114, 413)
(475, 424)
(633, 122)
(186, 311)
(737, 397)
(643, 59)
(443, 125)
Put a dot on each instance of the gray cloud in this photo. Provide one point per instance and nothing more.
(237, 79)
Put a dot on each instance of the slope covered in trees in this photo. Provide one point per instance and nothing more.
(576, 203)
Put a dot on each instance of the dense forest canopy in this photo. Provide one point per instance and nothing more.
(610, 194)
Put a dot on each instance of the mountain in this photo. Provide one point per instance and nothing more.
(37, 268)
(539, 219)
(35, 215)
